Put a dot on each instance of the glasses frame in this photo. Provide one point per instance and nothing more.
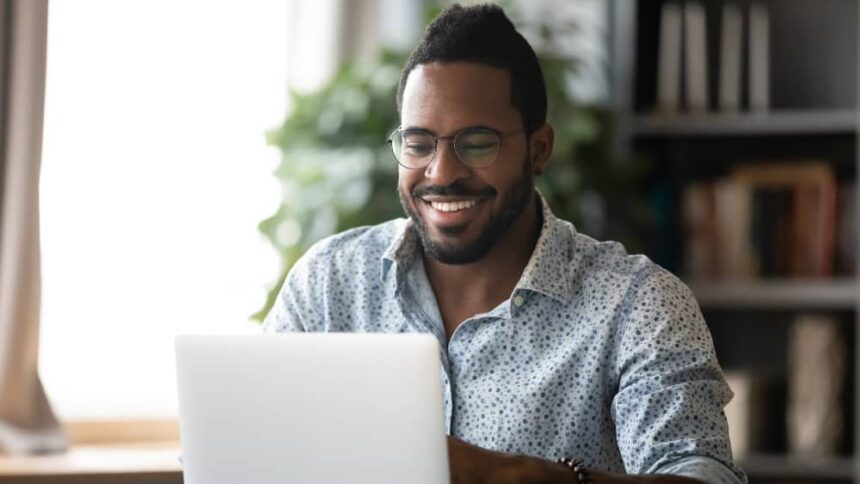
(453, 138)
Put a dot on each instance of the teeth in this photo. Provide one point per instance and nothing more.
(453, 206)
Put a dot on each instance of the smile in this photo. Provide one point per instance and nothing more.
(454, 206)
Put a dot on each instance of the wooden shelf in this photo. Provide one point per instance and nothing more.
(156, 462)
(747, 124)
(778, 294)
(799, 467)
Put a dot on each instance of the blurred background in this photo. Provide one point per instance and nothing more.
(192, 151)
(191, 159)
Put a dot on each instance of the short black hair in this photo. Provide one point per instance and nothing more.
(484, 34)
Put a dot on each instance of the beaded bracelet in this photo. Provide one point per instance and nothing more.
(582, 474)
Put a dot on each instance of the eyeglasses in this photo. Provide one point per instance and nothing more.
(474, 147)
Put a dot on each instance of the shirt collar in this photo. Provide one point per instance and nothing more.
(549, 270)
(401, 252)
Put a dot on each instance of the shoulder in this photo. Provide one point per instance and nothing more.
(608, 261)
(645, 285)
(578, 269)
(365, 244)
(641, 289)
(327, 273)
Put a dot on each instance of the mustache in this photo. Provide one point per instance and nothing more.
(455, 189)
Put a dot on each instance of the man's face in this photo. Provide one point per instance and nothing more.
(462, 212)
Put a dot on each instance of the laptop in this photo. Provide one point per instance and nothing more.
(311, 408)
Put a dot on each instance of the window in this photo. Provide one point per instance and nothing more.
(155, 173)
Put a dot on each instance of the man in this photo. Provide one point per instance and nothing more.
(554, 345)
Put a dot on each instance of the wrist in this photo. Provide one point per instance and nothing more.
(576, 466)
(524, 469)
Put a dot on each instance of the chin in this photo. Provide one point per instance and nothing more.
(455, 252)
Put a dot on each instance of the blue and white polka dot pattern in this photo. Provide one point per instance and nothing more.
(598, 354)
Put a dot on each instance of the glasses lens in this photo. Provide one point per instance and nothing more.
(413, 148)
(477, 147)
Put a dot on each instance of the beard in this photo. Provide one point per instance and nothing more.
(466, 253)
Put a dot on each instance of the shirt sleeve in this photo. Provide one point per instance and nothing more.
(295, 309)
(668, 410)
(702, 468)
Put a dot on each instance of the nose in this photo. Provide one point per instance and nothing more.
(446, 168)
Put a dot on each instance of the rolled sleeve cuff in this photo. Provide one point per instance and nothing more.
(705, 469)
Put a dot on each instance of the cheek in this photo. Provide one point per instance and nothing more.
(407, 179)
(508, 183)
(503, 176)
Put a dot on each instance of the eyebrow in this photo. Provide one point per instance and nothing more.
(419, 128)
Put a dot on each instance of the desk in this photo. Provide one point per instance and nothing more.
(149, 463)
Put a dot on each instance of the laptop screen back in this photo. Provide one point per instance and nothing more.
(311, 408)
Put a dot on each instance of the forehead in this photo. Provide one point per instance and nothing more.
(445, 97)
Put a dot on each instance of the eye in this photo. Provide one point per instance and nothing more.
(417, 149)
(418, 144)
(479, 147)
(478, 143)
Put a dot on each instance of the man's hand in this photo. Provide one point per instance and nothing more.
(474, 465)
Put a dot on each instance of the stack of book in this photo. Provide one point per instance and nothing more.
(787, 219)
(743, 63)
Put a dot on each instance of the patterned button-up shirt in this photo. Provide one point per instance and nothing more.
(597, 354)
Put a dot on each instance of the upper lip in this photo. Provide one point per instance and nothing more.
(448, 198)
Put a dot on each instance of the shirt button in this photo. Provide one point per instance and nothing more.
(519, 300)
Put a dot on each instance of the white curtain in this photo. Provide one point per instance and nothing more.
(27, 423)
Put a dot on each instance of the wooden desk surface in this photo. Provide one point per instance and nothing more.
(149, 463)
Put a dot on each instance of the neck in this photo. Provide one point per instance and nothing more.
(492, 278)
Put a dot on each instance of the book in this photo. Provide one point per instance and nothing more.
(695, 57)
(809, 218)
(759, 58)
(771, 230)
(825, 228)
(735, 256)
(817, 372)
(767, 219)
(745, 412)
(806, 198)
(846, 236)
(698, 224)
(731, 31)
(669, 59)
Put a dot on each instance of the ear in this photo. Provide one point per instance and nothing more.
(540, 147)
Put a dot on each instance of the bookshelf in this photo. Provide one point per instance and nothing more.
(786, 122)
(778, 294)
(812, 114)
(779, 466)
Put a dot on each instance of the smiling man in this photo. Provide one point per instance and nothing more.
(565, 360)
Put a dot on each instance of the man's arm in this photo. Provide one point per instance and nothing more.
(668, 410)
(471, 465)
(295, 308)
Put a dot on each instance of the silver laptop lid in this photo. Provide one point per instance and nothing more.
(311, 408)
